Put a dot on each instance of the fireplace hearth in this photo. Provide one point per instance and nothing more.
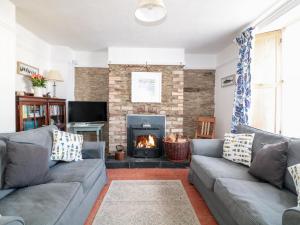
(144, 136)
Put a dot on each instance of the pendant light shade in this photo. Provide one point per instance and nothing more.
(150, 11)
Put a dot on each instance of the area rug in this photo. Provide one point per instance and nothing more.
(141, 202)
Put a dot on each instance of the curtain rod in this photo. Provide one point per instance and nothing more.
(276, 11)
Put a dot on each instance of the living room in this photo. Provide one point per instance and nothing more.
(149, 112)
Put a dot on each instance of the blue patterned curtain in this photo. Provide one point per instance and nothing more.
(242, 98)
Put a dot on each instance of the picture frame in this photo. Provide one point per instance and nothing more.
(228, 81)
(146, 87)
(26, 70)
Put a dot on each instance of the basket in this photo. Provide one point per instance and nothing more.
(176, 151)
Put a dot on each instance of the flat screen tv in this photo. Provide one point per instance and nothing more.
(87, 111)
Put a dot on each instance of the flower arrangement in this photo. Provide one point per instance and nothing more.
(38, 80)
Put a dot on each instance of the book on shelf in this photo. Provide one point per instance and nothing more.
(31, 111)
(55, 110)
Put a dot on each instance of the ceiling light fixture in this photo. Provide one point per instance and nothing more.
(150, 11)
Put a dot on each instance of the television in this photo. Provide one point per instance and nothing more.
(79, 112)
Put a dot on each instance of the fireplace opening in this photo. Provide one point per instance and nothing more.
(146, 141)
(144, 136)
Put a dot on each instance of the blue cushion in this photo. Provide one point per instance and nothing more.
(85, 171)
(252, 203)
(208, 169)
(42, 204)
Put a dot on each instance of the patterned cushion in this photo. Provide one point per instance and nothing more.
(295, 173)
(238, 148)
(66, 146)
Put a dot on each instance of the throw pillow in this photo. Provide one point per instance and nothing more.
(295, 173)
(269, 163)
(27, 165)
(238, 148)
(66, 146)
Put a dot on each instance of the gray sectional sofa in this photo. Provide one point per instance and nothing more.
(233, 195)
(68, 197)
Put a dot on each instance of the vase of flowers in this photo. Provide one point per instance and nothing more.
(38, 83)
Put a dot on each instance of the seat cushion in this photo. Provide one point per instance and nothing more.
(208, 169)
(42, 204)
(85, 171)
(253, 203)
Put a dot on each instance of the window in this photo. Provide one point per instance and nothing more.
(266, 82)
(276, 81)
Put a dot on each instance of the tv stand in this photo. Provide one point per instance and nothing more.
(88, 127)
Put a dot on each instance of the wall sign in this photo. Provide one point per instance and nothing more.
(228, 81)
(26, 70)
(146, 87)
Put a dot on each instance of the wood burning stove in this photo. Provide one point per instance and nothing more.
(144, 137)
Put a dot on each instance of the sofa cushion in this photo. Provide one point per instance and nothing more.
(293, 154)
(295, 173)
(252, 203)
(42, 204)
(238, 148)
(41, 136)
(85, 171)
(3, 162)
(261, 137)
(270, 163)
(27, 165)
(66, 146)
(208, 169)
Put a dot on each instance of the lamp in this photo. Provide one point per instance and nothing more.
(55, 76)
(151, 11)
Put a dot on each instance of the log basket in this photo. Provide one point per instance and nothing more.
(177, 151)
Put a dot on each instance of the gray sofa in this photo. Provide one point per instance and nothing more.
(67, 198)
(233, 195)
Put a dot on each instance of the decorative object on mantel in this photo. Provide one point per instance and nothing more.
(38, 83)
(120, 153)
(176, 147)
(55, 76)
(26, 70)
(228, 81)
(151, 11)
(146, 87)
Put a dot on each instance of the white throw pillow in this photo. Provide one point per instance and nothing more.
(238, 148)
(295, 173)
(66, 146)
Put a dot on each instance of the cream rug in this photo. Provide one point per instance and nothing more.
(144, 202)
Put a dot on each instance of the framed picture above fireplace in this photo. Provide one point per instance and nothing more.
(146, 87)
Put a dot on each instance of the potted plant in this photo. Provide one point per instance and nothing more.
(38, 83)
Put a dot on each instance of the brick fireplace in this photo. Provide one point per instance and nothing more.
(120, 105)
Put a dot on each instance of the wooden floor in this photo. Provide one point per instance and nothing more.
(198, 203)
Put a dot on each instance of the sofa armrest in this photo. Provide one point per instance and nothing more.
(93, 150)
(207, 147)
(11, 220)
(291, 216)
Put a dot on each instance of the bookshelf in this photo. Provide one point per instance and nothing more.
(33, 112)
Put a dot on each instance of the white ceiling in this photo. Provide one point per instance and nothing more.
(199, 26)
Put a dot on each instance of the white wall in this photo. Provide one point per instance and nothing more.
(36, 52)
(33, 51)
(8, 66)
(153, 56)
(91, 59)
(62, 60)
(200, 61)
(227, 61)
